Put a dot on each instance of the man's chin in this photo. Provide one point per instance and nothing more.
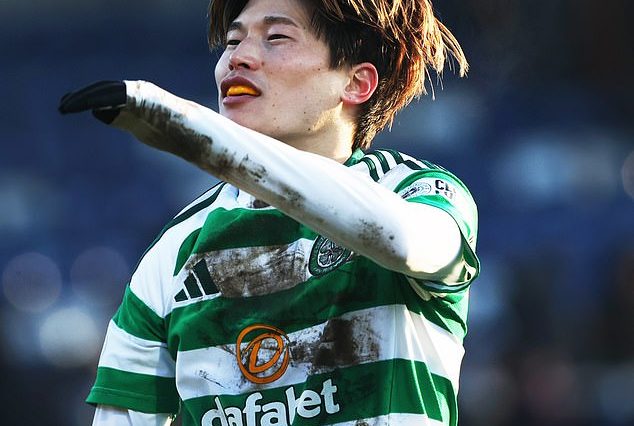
(244, 120)
(237, 117)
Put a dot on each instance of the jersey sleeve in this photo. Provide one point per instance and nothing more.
(136, 371)
(439, 188)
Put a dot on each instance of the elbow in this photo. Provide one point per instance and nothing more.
(428, 248)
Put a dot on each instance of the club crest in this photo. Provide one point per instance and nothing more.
(326, 256)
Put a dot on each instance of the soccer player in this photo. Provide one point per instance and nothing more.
(315, 284)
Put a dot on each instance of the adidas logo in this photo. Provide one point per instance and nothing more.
(197, 283)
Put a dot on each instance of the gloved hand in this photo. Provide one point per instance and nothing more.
(104, 98)
(153, 115)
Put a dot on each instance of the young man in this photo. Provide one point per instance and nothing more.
(315, 285)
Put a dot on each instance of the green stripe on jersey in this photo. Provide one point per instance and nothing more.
(354, 158)
(467, 217)
(237, 228)
(136, 318)
(397, 155)
(138, 392)
(186, 248)
(382, 160)
(361, 392)
(357, 285)
(372, 168)
(463, 210)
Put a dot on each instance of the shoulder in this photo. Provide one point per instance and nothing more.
(423, 182)
(151, 278)
(203, 201)
(395, 169)
(188, 219)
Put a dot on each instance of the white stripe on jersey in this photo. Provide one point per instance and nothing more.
(391, 161)
(410, 158)
(395, 176)
(126, 352)
(269, 269)
(373, 335)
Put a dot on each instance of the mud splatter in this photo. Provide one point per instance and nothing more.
(372, 234)
(336, 346)
(256, 271)
(223, 163)
(249, 167)
(342, 342)
(292, 198)
(207, 376)
(163, 129)
(259, 204)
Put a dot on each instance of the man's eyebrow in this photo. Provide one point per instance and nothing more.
(268, 20)
(235, 26)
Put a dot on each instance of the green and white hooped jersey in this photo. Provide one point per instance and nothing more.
(238, 315)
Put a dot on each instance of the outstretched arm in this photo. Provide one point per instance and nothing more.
(416, 239)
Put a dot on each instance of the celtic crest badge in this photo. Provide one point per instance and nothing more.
(326, 256)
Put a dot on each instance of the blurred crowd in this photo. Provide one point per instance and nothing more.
(541, 131)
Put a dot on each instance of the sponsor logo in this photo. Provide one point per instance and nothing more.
(265, 358)
(326, 256)
(308, 405)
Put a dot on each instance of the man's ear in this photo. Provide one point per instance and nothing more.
(364, 79)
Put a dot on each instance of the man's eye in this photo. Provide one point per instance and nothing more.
(277, 36)
(233, 42)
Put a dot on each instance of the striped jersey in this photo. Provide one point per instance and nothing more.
(238, 315)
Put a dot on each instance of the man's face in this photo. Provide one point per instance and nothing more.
(274, 76)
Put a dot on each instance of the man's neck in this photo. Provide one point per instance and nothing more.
(334, 143)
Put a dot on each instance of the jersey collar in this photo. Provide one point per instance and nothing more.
(354, 158)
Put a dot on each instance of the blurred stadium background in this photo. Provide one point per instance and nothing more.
(542, 131)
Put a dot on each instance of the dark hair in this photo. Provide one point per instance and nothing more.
(402, 38)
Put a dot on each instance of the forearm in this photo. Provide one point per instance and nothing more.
(345, 206)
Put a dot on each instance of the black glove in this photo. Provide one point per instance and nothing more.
(104, 98)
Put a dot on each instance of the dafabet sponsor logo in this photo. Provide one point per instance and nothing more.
(263, 355)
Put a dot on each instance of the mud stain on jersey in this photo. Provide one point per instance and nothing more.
(207, 376)
(342, 342)
(259, 204)
(256, 271)
(372, 234)
(336, 346)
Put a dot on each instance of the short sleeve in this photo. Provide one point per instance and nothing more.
(439, 188)
(136, 371)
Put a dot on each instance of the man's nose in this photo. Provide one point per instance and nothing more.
(245, 55)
